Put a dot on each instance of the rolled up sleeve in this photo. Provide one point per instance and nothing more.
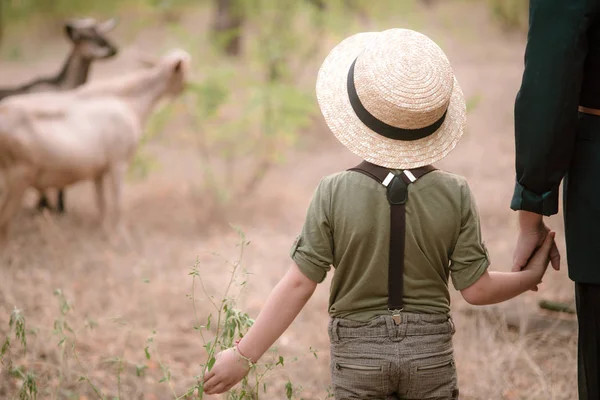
(545, 203)
(312, 250)
(469, 258)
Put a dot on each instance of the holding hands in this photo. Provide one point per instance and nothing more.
(535, 246)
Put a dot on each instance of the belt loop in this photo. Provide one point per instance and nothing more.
(333, 330)
(402, 329)
(452, 326)
(390, 326)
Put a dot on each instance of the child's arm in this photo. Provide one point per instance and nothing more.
(283, 305)
(496, 287)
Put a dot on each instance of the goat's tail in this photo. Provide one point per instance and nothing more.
(4, 189)
(3, 186)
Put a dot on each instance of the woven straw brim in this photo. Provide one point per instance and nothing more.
(332, 95)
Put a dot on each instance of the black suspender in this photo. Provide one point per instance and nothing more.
(397, 195)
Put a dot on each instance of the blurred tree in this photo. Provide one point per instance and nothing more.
(320, 4)
(512, 14)
(227, 25)
(1, 22)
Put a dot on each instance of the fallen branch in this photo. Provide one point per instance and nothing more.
(556, 306)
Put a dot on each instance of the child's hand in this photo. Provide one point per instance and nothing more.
(228, 370)
(538, 263)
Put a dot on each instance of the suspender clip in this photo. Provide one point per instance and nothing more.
(396, 315)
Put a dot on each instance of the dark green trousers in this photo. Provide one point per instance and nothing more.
(582, 229)
(582, 203)
(588, 358)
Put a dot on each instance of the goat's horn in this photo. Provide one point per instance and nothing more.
(82, 23)
(146, 59)
(107, 25)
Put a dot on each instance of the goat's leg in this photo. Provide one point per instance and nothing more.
(9, 209)
(43, 201)
(61, 201)
(3, 236)
(100, 198)
(117, 176)
(16, 185)
(4, 199)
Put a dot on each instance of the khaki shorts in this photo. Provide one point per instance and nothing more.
(413, 360)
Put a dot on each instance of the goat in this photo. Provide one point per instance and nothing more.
(89, 133)
(88, 44)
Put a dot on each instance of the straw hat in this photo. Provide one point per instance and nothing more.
(391, 98)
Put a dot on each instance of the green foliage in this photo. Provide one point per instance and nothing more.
(245, 114)
(473, 102)
(17, 322)
(231, 324)
(15, 11)
(144, 162)
(28, 389)
(512, 14)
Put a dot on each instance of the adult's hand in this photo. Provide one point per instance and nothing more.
(532, 232)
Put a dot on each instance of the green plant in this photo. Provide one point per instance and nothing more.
(473, 102)
(512, 14)
(28, 389)
(226, 324)
(143, 161)
(244, 115)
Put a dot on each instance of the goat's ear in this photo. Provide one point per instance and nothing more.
(146, 60)
(147, 63)
(178, 66)
(107, 25)
(71, 31)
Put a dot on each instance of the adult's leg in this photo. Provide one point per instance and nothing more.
(582, 228)
(588, 352)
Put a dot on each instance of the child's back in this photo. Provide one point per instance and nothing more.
(442, 235)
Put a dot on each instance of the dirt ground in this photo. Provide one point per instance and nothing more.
(129, 291)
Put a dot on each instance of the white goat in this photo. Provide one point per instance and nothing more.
(89, 133)
(88, 43)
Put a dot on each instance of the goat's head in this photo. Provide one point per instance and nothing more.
(176, 64)
(89, 37)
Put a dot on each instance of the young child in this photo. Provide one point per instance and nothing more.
(394, 239)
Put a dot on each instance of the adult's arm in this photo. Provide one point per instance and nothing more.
(546, 104)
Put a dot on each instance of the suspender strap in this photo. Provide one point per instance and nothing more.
(397, 195)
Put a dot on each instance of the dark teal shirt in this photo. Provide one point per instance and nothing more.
(547, 102)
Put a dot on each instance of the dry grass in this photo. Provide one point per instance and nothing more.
(127, 292)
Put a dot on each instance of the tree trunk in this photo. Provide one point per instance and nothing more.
(227, 25)
(319, 4)
(1, 22)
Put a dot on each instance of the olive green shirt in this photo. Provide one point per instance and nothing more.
(347, 226)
